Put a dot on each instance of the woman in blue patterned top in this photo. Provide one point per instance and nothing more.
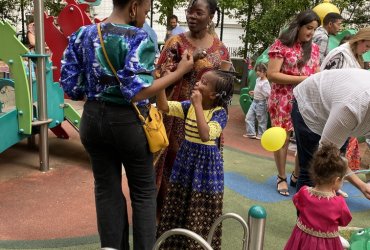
(110, 130)
(194, 197)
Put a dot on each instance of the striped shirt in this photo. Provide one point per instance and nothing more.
(336, 104)
(216, 119)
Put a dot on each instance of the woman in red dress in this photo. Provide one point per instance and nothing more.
(293, 57)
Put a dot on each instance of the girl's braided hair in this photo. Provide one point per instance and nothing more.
(224, 88)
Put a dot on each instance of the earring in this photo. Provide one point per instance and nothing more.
(132, 15)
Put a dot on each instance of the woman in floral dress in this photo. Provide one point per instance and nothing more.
(293, 57)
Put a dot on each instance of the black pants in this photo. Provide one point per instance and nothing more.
(307, 143)
(113, 135)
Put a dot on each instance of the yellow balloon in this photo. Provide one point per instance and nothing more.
(273, 139)
(324, 8)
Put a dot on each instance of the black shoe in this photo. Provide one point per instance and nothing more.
(293, 183)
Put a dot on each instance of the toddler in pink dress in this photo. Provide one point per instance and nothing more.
(320, 210)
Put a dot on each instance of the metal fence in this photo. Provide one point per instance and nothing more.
(234, 52)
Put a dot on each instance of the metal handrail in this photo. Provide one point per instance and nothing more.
(230, 216)
(184, 232)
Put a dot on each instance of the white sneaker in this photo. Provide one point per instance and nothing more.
(345, 243)
(249, 136)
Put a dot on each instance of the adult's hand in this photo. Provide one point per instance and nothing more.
(186, 64)
(362, 186)
(275, 75)
(366, 190)
(199, 54)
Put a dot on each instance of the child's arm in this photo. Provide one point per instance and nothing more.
(162, 103)
(346, 216)
(185, 65)
(203, 128)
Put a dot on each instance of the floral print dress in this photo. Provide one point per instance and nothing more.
(280, 101)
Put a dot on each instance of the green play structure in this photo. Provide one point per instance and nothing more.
(19, 118)
(245, 99)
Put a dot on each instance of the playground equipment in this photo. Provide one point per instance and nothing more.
(39, 104)
(360, 240)
(253, 237)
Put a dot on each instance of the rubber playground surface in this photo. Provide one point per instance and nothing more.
(55, 210)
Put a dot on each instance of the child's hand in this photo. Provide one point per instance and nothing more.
(196, 97)
(166, 72)
(199, 54)
(251, 93)
(186, 64)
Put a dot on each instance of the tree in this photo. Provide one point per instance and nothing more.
(10, 11)
(18, 12)
(263, 20)
(165, 8)
(355, 12)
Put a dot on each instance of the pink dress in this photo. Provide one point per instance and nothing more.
(320, 214)
(280, 101)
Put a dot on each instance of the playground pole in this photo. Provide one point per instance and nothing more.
(256, 221)
(41, 85)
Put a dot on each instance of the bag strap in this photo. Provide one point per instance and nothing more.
(114, 71)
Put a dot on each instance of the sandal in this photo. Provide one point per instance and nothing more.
(293, 183)
(283, 191)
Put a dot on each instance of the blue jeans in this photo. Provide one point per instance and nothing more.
(257, 110)
(113, 135)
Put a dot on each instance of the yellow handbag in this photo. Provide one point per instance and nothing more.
(153, 125)
(154, 128)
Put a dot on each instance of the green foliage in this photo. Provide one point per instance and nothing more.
(10, 11)
(54, 6)
(263, 20)
(165, 8)
(356, 12)
(266, 19)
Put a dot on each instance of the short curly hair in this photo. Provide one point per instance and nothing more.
(327, 164)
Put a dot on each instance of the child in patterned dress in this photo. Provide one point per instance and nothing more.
(195, 194)
(321, 210)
